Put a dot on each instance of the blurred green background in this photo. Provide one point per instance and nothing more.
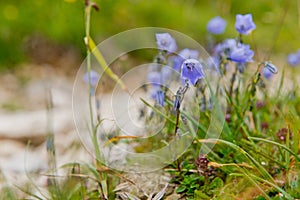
(61, 22)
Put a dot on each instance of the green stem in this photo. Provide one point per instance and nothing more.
(88, 60)
(232, 81)
(88, 42)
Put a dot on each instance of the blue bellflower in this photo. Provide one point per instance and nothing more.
(158, 95)
(165, 42)
(154, 78)
(165, 74)
(244, 24)
(188, 53)
(157, 79)
(183, 55)
(294, 58)
(216, 25)
(241, 54)
(223, 49)
(222, 52)
(268, 70)
(94, 77)
(266, 73)
(192, 71)
(160, 98)
(272, 68)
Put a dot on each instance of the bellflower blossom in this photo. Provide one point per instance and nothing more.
(241, 54)
(154, 78)
(158, 95)
(294, 58)
(221, 52)
(183, 55)
(266, 73)
(160, 98)
(92, 80)
(241, 67)
(192, 70)
(94, 77)
(165, 74)
(216, 25)
(166, 42)
(188, 53)
(223, 49)
(244, 24)
(268, 70)
(157, 79)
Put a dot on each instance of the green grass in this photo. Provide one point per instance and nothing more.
(62, 22)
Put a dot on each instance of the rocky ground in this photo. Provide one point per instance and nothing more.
(24, 124)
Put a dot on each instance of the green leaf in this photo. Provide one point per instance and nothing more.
(103, 64)
(216, 183)
(181, 189)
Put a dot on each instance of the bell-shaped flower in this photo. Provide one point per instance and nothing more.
(216, 25)
(192, 70)
(244, 24)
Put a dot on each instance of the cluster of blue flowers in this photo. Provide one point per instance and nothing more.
(235, 50)
(158, 79)
(185, 61)
(232, 49)
(244, 24)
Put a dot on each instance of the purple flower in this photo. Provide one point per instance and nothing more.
(244, 24)
(216, 25)
(154, 78)
(153, 91)
(188, 53)
(272, 68)
(165, 74)
(223, 49)
(166, 42)
(266, 73)
(268, 70)
(94, 77)
(283, 133)
(153, 67)
(241, 67)
(222, 52)
(241, 54)
(158, 95)
(176, 62)
(192, 70)
(183, 55)
(160, 98)
(294, 58)
(159, 78)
